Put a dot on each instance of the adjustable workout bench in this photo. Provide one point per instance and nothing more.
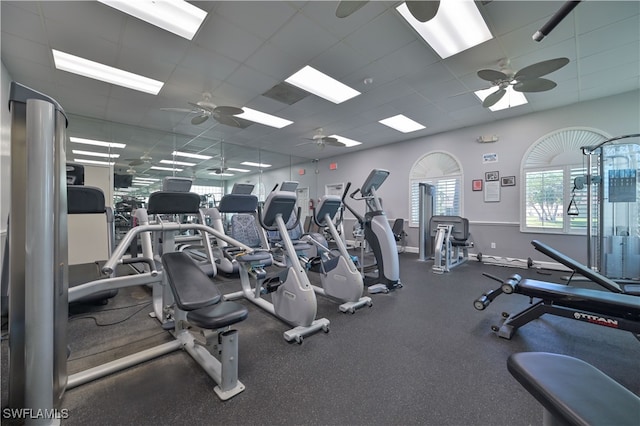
(574, 392)
(609, 309)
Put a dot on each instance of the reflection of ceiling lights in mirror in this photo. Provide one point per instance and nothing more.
(177, 16)
(169, 169)
(233, 169)
(95, 154)
(99, 163)
(178, 163)
(97, 143)
(77, 65)
(250, 163)
(320, 84)
(190, 155)
(146, 178)
(221, 174)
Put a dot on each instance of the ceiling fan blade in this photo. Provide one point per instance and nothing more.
(228, 120)
(493, 98)
(536, 85)
(540, 69)
(423, 11)
(135, 162)
(346, 8)
(199, 119)
(305, 143)
(177, 110)
(332, 142)
(227, 110)
(492, 75)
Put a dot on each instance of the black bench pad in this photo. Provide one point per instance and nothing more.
(216, 316)
(603, 302)
(574, 391)
(192, 289)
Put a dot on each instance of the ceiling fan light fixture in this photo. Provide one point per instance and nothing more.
(509, 100)
(402, 123)
(176, 16)
(320, 84)
(86, 68)
(263, 118)
(457, 26)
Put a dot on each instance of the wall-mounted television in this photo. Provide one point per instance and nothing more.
(122, 181)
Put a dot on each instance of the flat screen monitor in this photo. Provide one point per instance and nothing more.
(122, 181)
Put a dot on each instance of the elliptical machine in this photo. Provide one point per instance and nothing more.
(377, 234)
(339, 276)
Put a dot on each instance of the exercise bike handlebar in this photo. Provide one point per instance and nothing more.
(344, 202)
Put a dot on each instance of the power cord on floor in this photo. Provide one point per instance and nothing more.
(83, 316)
(113, 349)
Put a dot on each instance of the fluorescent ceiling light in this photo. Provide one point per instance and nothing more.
(190, 155)
(176, 16)
(509, 100)
(98, 71)
(97, 143)
(101, 163)
(402, 123)
(169, 169)
(348, 142)
(141, 183)
(145, 178)
(233, 169)
(250, 163)
(221, 174)
(95, 154)
(320, 84)
(457, 26)
(177, 163)
(264, 118)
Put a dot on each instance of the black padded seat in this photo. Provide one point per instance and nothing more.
(602, 302)
(574, 391)
(263, 257)
(191, 287)
(219, 315)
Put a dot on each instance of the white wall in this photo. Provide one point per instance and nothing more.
(490, 222)
(5, 153)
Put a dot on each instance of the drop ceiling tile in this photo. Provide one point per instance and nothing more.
(136, 61)
(209, 63)
(596, 14)
(20, 22)
(76, 19)
(275, 62)
(228, 39)
(623, 56)
(381, 36)
(324, 13)
(442, 90)
(154, 42)
(85, 45)
(609, 37)
(617, 73)
(252, 79)
(260, 18)
(188, 84)
(339, 60)
(229, 94)
(22, 48)
(303, 38)
(504, 17)
(484, 55)
(520, 42)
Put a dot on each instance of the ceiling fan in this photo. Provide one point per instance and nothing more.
(144, 159)
(423, 11)
(204, 109)
(321, 140)
(526, 80)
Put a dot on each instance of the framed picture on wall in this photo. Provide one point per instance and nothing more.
(492, 176)
(508, 181)
(476, 185)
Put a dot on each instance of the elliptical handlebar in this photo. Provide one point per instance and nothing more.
(344, 202)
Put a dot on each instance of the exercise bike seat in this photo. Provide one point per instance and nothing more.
(195, 293)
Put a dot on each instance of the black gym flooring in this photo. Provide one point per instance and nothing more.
(420, 355)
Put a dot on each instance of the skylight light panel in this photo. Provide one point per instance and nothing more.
(402, 124)
(263, 118)
(457, 26)
(320, 84)
(84, 67)
(250, 163)
(169, 169)
(97, 143)
(176, 16)
(99, 163)
(346, 141)
(177, 163)
(95, 154)
(190, 155)
(509, 100)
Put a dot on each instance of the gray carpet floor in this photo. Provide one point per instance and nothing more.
(420, 355)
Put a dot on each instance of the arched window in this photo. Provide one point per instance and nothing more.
(443, 171)
(549, 169)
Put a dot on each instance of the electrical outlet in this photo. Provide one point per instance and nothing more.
(493, 245)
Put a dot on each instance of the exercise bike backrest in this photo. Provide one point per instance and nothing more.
(278, 203)
(328, 205)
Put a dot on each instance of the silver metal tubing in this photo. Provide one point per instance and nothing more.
(122, 363)
(39, 248)
(83, 290)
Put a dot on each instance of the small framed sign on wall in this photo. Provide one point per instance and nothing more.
(508, 181)
(476, 185)
(492, 176)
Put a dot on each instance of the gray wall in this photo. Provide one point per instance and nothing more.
(490, 222)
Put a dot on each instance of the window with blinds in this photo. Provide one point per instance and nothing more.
(442, 171)
(550, 202)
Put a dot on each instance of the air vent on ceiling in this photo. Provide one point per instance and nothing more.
(285, 93)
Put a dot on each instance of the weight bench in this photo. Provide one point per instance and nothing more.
(574, 392)
(199, 305)
(609, 309)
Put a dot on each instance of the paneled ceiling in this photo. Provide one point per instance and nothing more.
(244, 48)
